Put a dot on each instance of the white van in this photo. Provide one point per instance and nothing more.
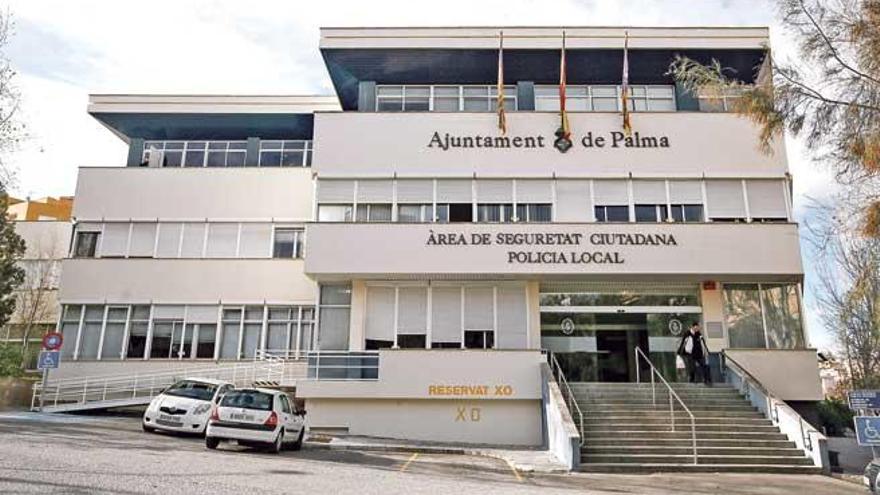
(185, 407)
(256, 416)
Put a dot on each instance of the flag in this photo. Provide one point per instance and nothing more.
(624, 87)
(502, 117)
(564, 128)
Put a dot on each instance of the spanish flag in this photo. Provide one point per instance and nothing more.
(624, 87)
(564, 127)
(502, 117)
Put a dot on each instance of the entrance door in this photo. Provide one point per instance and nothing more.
(613, 356)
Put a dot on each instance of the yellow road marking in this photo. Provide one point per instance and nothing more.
(408, 462)
(513, 468)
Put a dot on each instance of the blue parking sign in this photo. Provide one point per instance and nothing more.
(48, 360)
(868, 430)
(864, 399)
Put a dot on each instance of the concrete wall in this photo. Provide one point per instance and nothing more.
(207, 281)
(364, 144)
(44, 239)
(200, 193)
(719, 251)
(791, 375)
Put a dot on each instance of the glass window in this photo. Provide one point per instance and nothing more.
(534, 213)
(137, 338)
(494, 213)
(374, 212)
(69, 329)
(612, 213)
(194, 156)
(479, 339)
(334, 320)
(443, 98)
(407, 213)
(456, 213)
(253, 326)
(160, 345)
(232, 320)
(334, 213)
(742, 312)
(782, 313)
(650, 213)
(91, 332)
(206, 338)
(86, 244)
(288, 243)
(114, 332)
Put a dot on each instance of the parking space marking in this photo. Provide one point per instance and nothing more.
(515, 472)
(409, 461)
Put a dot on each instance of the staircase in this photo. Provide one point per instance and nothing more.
(625, 430)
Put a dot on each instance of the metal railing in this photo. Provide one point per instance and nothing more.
(779, 413)
(342, 365)
(71, 393)
(567, 394)
(671, 393)
(279, 354)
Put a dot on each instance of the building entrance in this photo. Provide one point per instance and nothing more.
(596, 341)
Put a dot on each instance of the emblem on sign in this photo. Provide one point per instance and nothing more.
(675, 327)
(567, 326)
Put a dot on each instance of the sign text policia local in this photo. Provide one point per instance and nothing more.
(577, 248)
(613, 140)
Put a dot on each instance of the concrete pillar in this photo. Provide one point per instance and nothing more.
(713, 318)
(252, 156)
(367, 96)
(533, 302)
(135, 152)
(358, 315)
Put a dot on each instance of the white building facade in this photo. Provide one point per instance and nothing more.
(431, 259)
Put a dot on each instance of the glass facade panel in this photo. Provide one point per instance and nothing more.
(783, 316)
(742, 313)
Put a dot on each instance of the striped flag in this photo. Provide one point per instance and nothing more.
(502, 117)
(564, 127)
(624, 87)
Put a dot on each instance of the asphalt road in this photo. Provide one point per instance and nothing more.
(99, 454)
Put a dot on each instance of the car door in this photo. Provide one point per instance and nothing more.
(290, 423)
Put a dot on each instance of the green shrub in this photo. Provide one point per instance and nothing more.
(10, 360)
(835, 416)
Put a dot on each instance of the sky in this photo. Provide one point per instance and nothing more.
(65, 50)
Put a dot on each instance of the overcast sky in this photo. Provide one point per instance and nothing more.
(65, 49)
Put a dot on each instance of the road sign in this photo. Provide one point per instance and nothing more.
(49, 360)
(52, 341)
(868, 430)
(864, 399)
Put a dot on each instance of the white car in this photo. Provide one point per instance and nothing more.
(185, 407)
(256, 417)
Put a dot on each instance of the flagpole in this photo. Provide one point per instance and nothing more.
(563, 134)
(624, 86)
(502, 116)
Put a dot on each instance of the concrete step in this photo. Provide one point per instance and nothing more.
(617, 441)
(679, 434)
(685, 426)
(665, 450)
(698, 468)
(660, 408)
(644, 384)
(750, 459)
(599, 404)
(613, 421)
(648, 395)
(593, 413)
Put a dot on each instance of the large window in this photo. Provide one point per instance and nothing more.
(288, 243)
(605, 98)
(763, 316)
(296, 153)
(86, 245)
(474, 98)
(194, 153)
(335, 311)
(374, 212)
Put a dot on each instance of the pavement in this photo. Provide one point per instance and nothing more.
(110, 454)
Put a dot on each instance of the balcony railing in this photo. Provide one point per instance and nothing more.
(343, 366)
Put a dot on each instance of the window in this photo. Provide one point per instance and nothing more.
(70, 321)
(763, 316)
(206, 338)
(479, 339)
(254, 240)
(334, 213)
(534, 213)
(292, 153)
(194, 153)
(719, 100)
(599, 98)
(90, 333)
(137, 333)
(86, 244)
(289, 329)
(114, 332)
(408, 213)
(374, 212)
(253, 326)
(335, 308)
(687, 213)
(612, 213)
(222, 240)
(650, 213)
(288, 243)
(231, 328)
(494, 213)
(455, 213)
(443, 98)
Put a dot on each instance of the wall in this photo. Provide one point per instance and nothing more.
(207, 281)
(727, 251)
(790, 375)
(710, 144)
(45, 239)
(123, 193)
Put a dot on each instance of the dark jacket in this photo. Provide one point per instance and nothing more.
(698, 350)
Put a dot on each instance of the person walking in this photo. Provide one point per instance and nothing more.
(694, 351)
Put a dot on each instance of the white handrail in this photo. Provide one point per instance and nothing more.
(567, 393)
(654, 371)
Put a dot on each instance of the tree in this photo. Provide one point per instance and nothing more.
(12, 130)
(35, 302)
(11, 250)
(830, 96)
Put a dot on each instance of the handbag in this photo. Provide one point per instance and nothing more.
(679, 363)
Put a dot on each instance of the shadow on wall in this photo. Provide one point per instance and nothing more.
(15, 393)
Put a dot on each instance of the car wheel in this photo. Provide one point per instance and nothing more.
(297, 445)
(278, 444)
(212, 442)
(147, 429)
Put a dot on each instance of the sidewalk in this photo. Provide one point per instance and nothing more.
(523, 460)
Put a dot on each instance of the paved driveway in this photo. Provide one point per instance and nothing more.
(99, 454)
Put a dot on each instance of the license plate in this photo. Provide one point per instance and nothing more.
(168, 420)
(241, 417)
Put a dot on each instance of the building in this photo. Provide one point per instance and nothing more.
(41, 209)
(431, 257)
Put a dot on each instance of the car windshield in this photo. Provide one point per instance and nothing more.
(248, 399)
(192, 390)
